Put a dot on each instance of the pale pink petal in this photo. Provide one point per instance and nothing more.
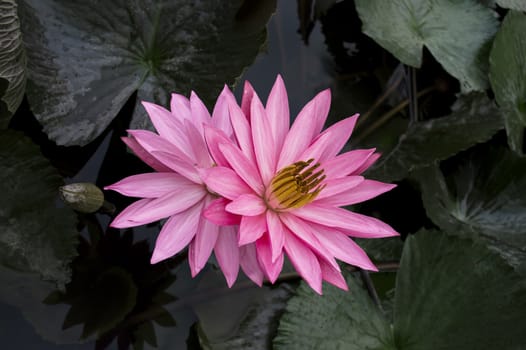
(246, 100)
(180, 107)
(241, 127)
(167, 126)
(125, 218)
(370, 161)
(346, 163)
(304, 261)
(364, 191)
(242, 166)
(197, 143)
(149, 185)
(227, 253)
(343, 247)
(214, 137)
(264, 143)
(360, 225)
(221, 114)
(275, 233)
(200, 114)
(252, 228)
(331, 141)
(177, 232)
(249, 263)
(332, 276)
(217, 213)
(171, 203)
(202, 245)
(306, 127)
(152, 142)
(277, 109)
(144, 155)
(224, 181)
(179, 165)
(335, 186)
(247, 204)
(271, 268)
(306, 234)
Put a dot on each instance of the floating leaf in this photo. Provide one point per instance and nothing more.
(12, 59)
(485, 198)
(457, 33)
(474, 119)
(35, 236)
(86, 58)
(508, 76)
(518, 5)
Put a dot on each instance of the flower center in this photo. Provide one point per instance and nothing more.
(295, 185)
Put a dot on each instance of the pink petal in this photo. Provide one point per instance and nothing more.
(225, 182)
(125, 218)
(200, 114)
(304, 261)
(168, 127)
(275, 233)
(202, 245)
(179, 165)
(180, 107)
(278, 112)
(176, 233)
(214, 137)
(373, 158)
(217, 213)
(152, 142)
(249, 263)
(335, 186)
(264, 255)
(252, 228)
(247, 205)
(242, 166)
(150, 185)
(307, 125)
(144, 155)
(241, 127)
(359, 225)
(364, 191)
(332, 276)
(221, 114)
(171, 203)
(346, 163)
(264, 143)
(248, 93)
(343, 247)
(331, 141)
(198, 145)
(227, 253)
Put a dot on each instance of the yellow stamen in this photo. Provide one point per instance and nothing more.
(295, 185)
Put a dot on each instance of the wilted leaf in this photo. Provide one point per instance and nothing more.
(457, 33)
(86, 58)
(508, 76)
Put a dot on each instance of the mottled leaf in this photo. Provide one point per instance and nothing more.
(457, 33)
(86, 58)
(519, 5)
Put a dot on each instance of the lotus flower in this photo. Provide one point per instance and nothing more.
(288, 186)
(178, 153)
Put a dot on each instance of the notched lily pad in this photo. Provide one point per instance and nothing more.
(86, 58)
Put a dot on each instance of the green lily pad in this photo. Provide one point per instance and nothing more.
(457, 33)
(86, 58)
(12, 60)
(485, 198)
(35, 236)
(508, 76)
(518, 5)
(451, 293)
(474, 119)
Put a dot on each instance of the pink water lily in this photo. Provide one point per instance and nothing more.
(288, 185)
(178, 154)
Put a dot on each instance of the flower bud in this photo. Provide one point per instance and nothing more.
(83, 197)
